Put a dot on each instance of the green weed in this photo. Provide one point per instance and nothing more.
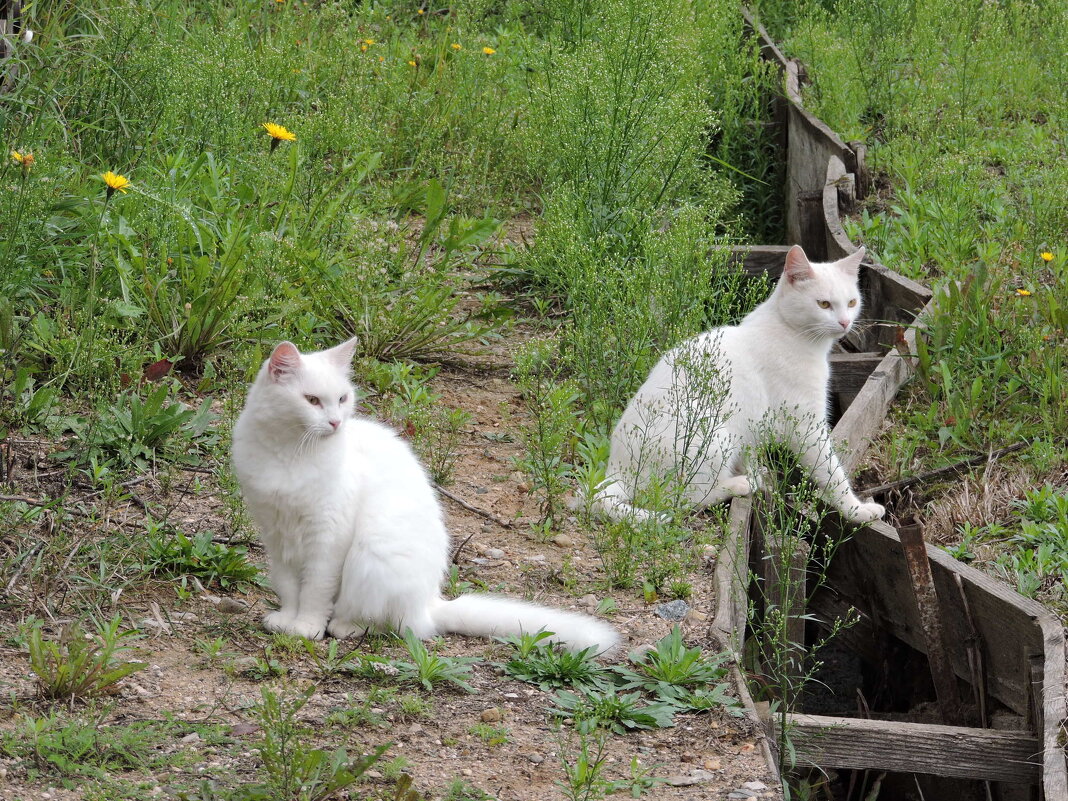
(173, 554)
(78, 665)
(430, 669)
(290, 768)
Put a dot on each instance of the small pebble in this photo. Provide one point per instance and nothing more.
(754, 786)
(491, 715)
(191, 738)
(232, 606)
(693, 616)
(537, 759)
(466, 772)
(688, 780)
(494, 553)
(563, 541)
(672, 610)
(713, 764)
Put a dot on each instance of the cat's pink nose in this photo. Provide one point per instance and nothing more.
(844, 324)
(334, 424)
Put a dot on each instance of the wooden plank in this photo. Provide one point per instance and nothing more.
(731, 577)
(757, 260)
(731, 580)
(849, 373)
(836, 243)
(891, 299)
(788, 595)
(1054, 709)
(952, 751)
(869, 572)
(860, 423)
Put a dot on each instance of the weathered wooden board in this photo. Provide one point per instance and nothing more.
(811, 143)
(869, 569)
(955, 751)
(860, 423)
(849, 373)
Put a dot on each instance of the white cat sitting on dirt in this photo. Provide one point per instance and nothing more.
(711, 400)
(350, 520)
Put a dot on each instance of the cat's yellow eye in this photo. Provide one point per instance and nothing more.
(852, 303)
(824, 304)
(314, 401)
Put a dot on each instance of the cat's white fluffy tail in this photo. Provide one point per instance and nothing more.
(480, 615)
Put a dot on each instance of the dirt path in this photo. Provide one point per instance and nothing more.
(437, 739)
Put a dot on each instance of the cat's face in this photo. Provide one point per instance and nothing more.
(310, 391)
(821, 300)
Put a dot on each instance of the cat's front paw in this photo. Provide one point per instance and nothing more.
(278, 621)
(738, 486)
(865, 512)
(283, 623)
(342, 629)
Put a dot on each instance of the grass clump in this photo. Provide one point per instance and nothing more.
(293, 770)
(77, 665)
(171, 554)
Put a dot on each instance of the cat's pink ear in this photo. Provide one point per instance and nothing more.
(341, 355)
(850, 265)
(284, 361)
(797, 266)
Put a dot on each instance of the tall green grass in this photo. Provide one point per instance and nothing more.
(964, 111)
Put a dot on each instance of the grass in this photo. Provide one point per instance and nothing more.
(76, 665)
(977, 207)
(621, 141)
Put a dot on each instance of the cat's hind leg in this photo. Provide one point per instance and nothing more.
(612, 502)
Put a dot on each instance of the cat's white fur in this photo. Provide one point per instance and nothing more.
(773, 372)
(350, 520)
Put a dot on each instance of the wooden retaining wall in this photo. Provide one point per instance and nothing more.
(1005, 647)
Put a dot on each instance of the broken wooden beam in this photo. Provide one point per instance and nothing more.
(931, 749)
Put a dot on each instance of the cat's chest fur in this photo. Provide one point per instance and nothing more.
(298, 492)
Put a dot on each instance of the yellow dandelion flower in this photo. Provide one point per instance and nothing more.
(368, 41)
(456, 46)
(411, 63)
(363, 48)
(1023, 293)
(1046, 255)
(25, 159)
(278, 134)
(489, 51)
(420, 12)
(381, 58)
(114, 182)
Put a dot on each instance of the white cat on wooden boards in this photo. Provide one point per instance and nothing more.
(713, 399)
(350, 520)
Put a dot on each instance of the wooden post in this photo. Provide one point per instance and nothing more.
(923, 588)
(788, 593)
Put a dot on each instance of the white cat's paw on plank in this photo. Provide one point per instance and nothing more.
(865, 513)
(738, 486)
